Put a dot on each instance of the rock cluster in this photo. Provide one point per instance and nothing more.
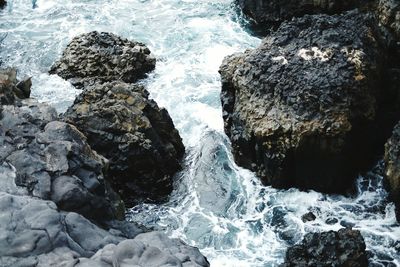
(103, 57)
(138, 138)
(270, 13)
(117, 116)
(11, 89)
(301, 110)
(343, 248)
(57, 208)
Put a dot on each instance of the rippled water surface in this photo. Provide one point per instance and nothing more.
(216, 206)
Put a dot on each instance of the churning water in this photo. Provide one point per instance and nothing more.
(216, 206)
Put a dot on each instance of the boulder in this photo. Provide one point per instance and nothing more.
(267, 13)
(138, 137)
(343, 248)
(53, 161)
(103, 57)
(2, 3)
(305, 108)
(392, 167)
(36, 233)
(12, 89)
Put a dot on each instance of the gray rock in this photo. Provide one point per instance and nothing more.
(392, 167)
(103, 57)
(303, 109)
(52, 160)
(343, 248)
(124, 125)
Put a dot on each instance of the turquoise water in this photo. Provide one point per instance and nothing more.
(216, 206)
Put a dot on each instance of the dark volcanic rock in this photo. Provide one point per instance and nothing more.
(303, 109)
(308, 217)
(12, 89)
(392, 167)
(138, 138)
(272, 12)
(389, 15)
(343, 248)
(103, 57)
(53, 161)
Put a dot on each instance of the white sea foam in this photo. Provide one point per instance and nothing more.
(216, 206)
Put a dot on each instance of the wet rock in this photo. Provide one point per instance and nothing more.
(138, 137)
(53, 161)
(343, 248)
(266, 13)
(308, 217)
(2, 3)
(103, 57)
(392, 167)
(12, 89)
(303, 109)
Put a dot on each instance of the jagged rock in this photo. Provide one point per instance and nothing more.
(138, 138)
(389, 15)
(304, 109)
(343, 248)
(392, 167)
(272, 12)
(103, 57)
(308, 217)
(12, 89)
(53, 161)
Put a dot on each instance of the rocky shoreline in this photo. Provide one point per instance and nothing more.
(61, 200)
(312, 107)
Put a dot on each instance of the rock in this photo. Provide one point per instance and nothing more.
(12, 89)
(308, 217)
(343, 248)
(265, 13)
(103, 57)
(392, 167)
(138, 137)
(389, 15)
(305, 108)
(53, 161)
(2, 3)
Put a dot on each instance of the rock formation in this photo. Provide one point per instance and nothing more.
(267, 13)
(343, 248)
(138, 138)
(57, 208)
(117, 116)
(103, 57)
(303, 109)
(392, 167)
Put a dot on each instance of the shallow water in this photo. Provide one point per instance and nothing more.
(216, 206)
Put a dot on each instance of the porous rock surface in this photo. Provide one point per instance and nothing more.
(137, 136)
(103, 57)
(389, 15)
(272, 12)
(302, 109)
(343, 248)
(11, 89)
(392, 167)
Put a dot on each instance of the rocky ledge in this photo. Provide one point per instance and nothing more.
(392, 167)
(267, 13)
(138, 137)
(343, 248)
(117, 116)
(304, 108)
(103, 57)
(57, 207)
